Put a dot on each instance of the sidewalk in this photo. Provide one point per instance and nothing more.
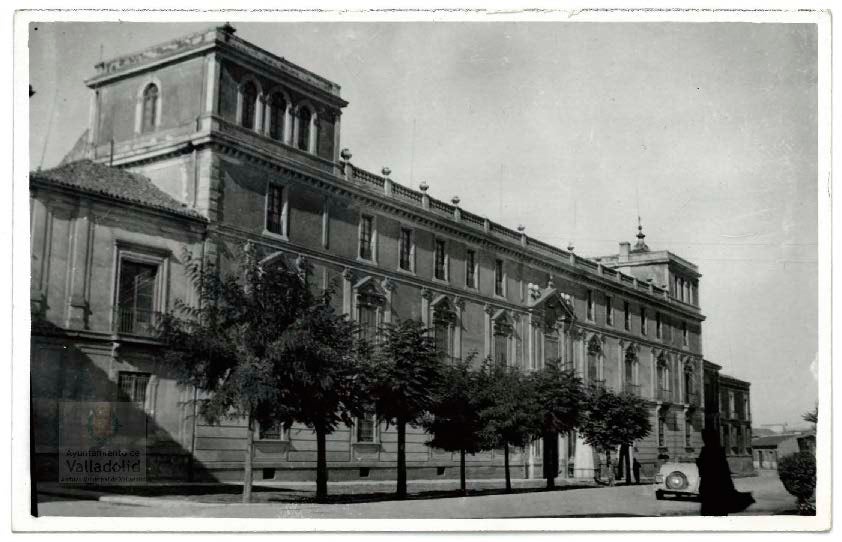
(221, 494)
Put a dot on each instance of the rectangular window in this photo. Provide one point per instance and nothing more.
(272, 431)
(643, 321)
(133, 386)
(136, 298)
(684, 334)
(551, 349)
(471, 269)
(626, 316)
(609, 311)
(658, 329)
(365, 428)
(589, 312)
(501, 344)
(440, 271)
(406, 250)
(498, 277)
(275, 210)
(442, 334)
(367, 319)
(367, 237)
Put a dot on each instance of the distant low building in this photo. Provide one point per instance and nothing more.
(727, 407)
(769, 449)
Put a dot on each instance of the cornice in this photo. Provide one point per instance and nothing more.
(337, 186)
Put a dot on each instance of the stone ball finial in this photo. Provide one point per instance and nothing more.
(455, 200)
(345, 154)
(386, 171)
(424, 186)
(228, 28)
(521, 228)
(570, 247)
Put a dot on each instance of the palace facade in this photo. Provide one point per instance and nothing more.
(207, 142)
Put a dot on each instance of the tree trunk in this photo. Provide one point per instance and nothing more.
(549, 466)
(610, 467)
(506, 465)
(462, 482)
(625, 461)
(248, 473)
(401, 493)
(321, 463)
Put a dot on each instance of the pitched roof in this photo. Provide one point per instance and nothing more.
(94, 178)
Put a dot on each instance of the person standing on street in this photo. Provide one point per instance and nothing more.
(716, 489)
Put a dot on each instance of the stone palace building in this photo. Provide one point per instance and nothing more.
(206, 142)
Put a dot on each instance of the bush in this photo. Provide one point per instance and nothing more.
(798, 473)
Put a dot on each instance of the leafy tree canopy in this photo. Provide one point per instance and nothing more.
(220, 345)
(406, 367)
(317, 369)
(510, 411)
(454, 420)
(612, 419)
(558, 396)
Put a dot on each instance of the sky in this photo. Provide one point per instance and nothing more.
(707, 131)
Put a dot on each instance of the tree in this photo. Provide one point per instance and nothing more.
(559, 402)
(612, 420)
(797, 472)
(454, 420)
(222, 346)
(510, 413)
(812, 416)
(405, 368)
(320, 375)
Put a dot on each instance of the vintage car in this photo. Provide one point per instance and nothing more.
(677, 479)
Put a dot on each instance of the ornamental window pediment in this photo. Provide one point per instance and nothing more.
(369, 292)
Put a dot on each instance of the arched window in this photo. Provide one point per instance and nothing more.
(369, 305)
(444, 321)
(249, 105)
(594, 351)
(630, 366)
(689, 385)
(663, 379)
(552, 345)
(304, 118)
(502, 330)
(277, 110)
(150, 108)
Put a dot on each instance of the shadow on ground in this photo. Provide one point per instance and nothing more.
(231, 493)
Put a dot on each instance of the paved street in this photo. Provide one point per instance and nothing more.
(770, 495)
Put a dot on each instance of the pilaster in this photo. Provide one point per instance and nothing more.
(212, 85)
(79, 299)
(426, 298)
(389, 286)
(347, 290)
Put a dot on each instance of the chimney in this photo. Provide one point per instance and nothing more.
(624, 251)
